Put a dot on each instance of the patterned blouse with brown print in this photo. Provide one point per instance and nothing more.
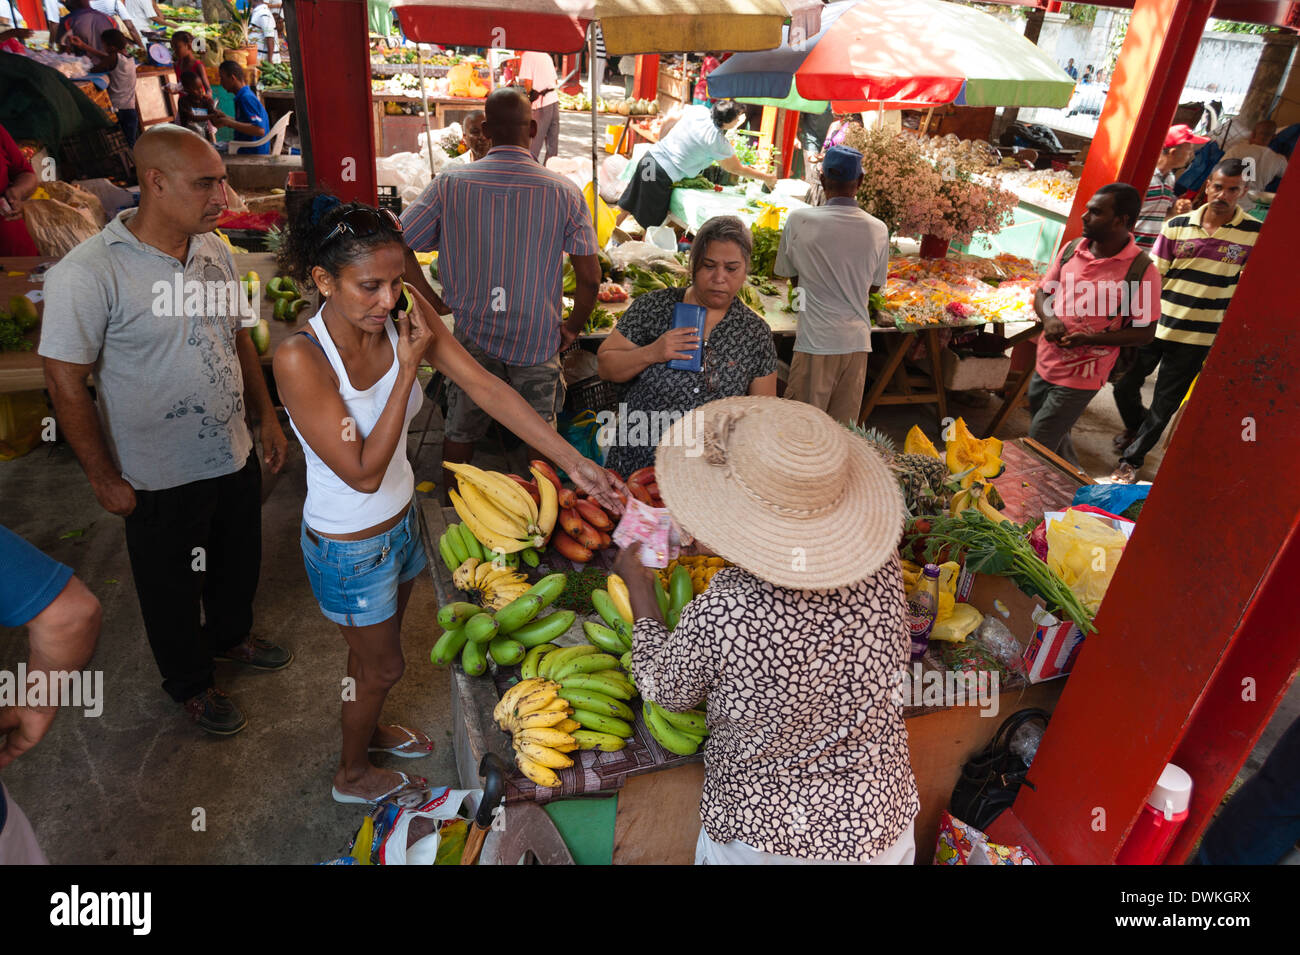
(807, 754)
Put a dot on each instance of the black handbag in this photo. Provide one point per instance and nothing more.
(991, 778)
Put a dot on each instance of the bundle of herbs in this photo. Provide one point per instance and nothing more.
(1002, 549)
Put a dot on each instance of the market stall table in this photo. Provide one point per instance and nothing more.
(656, 819)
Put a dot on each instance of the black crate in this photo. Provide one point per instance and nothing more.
(94, 154)
(593, 394)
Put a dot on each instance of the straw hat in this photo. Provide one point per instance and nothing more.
(780, 489)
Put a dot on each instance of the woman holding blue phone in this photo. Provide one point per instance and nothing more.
(349, 384)
(650, 346)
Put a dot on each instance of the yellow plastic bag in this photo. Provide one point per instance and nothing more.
(463, 81)
(22, 417)
(769, 218)
(1084, 550)
(602, 217)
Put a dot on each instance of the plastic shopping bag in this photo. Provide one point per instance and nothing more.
(1084, 550)
(428, 830)
(769, 218)
(962, 844)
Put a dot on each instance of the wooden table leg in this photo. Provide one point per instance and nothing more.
(932, 343)
(878, 388)
(1011, 401)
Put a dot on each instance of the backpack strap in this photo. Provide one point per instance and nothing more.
(1067, 254)
(1138, 268)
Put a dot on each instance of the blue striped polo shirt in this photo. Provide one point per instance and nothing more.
(502, 226)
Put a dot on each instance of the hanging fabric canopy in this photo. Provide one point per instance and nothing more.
(629, 26)
(896, 53)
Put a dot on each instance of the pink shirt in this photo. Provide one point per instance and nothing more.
(539, 68)
(1090, 296)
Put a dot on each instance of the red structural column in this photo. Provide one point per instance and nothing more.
(33, 14)
(1161, 43)
(1196, 641)
(645, 85)
(788, 139)
(335, 63)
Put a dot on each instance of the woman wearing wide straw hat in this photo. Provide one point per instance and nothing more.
(799, 648)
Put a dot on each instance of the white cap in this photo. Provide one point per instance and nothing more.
(1173, 792)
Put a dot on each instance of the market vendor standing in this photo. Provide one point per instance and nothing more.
(17, 182)
(502, 226)
(1200, 255)
(1101, 293)
(695, 142)
(150, 307)
(360, 534)
(537, 72)
(798, 649)
(739, 357)
(838, 255)
(251, 121)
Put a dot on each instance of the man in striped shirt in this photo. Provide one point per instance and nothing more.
(1161, 202)
(1200, 254)
(502, 226)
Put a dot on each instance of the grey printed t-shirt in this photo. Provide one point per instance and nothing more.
(161, 336)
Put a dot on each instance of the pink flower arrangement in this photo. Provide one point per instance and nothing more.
(929, 187)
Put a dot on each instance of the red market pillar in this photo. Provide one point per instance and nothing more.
(788, 138)
(1196, 642)
(645, 85)
(1162, 39)
(334, 59)
(34, 15)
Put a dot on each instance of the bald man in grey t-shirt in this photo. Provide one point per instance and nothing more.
(152, 307)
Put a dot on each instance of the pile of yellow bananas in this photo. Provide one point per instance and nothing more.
(502, 515)
(539, 723)
(489, 585)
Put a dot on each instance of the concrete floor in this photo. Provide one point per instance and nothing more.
(125, 787)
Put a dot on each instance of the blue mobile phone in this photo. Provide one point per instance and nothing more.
(690, 316)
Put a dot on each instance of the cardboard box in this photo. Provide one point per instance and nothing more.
(1050, 645)
(967, 374)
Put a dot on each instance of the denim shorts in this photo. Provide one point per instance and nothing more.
(355, 582)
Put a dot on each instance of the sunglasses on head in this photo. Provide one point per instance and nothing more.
(364, 222)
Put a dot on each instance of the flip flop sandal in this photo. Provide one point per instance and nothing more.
(404, 749)
(406, 783)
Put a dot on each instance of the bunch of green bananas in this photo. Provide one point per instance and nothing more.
(593, 686)
(277, 76)
(459, 544)
(474, 632)
(679, 733)
(644, 280)
(749, 295)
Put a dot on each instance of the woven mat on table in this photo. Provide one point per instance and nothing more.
(1031, 486)
(592, 772)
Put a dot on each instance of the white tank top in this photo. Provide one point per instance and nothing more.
(332, 507)
(121, 83)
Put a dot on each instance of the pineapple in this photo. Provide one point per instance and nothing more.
(920, 476)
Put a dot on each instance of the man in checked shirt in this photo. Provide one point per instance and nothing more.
(502, 226)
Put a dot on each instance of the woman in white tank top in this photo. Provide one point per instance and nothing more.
(349, 384)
